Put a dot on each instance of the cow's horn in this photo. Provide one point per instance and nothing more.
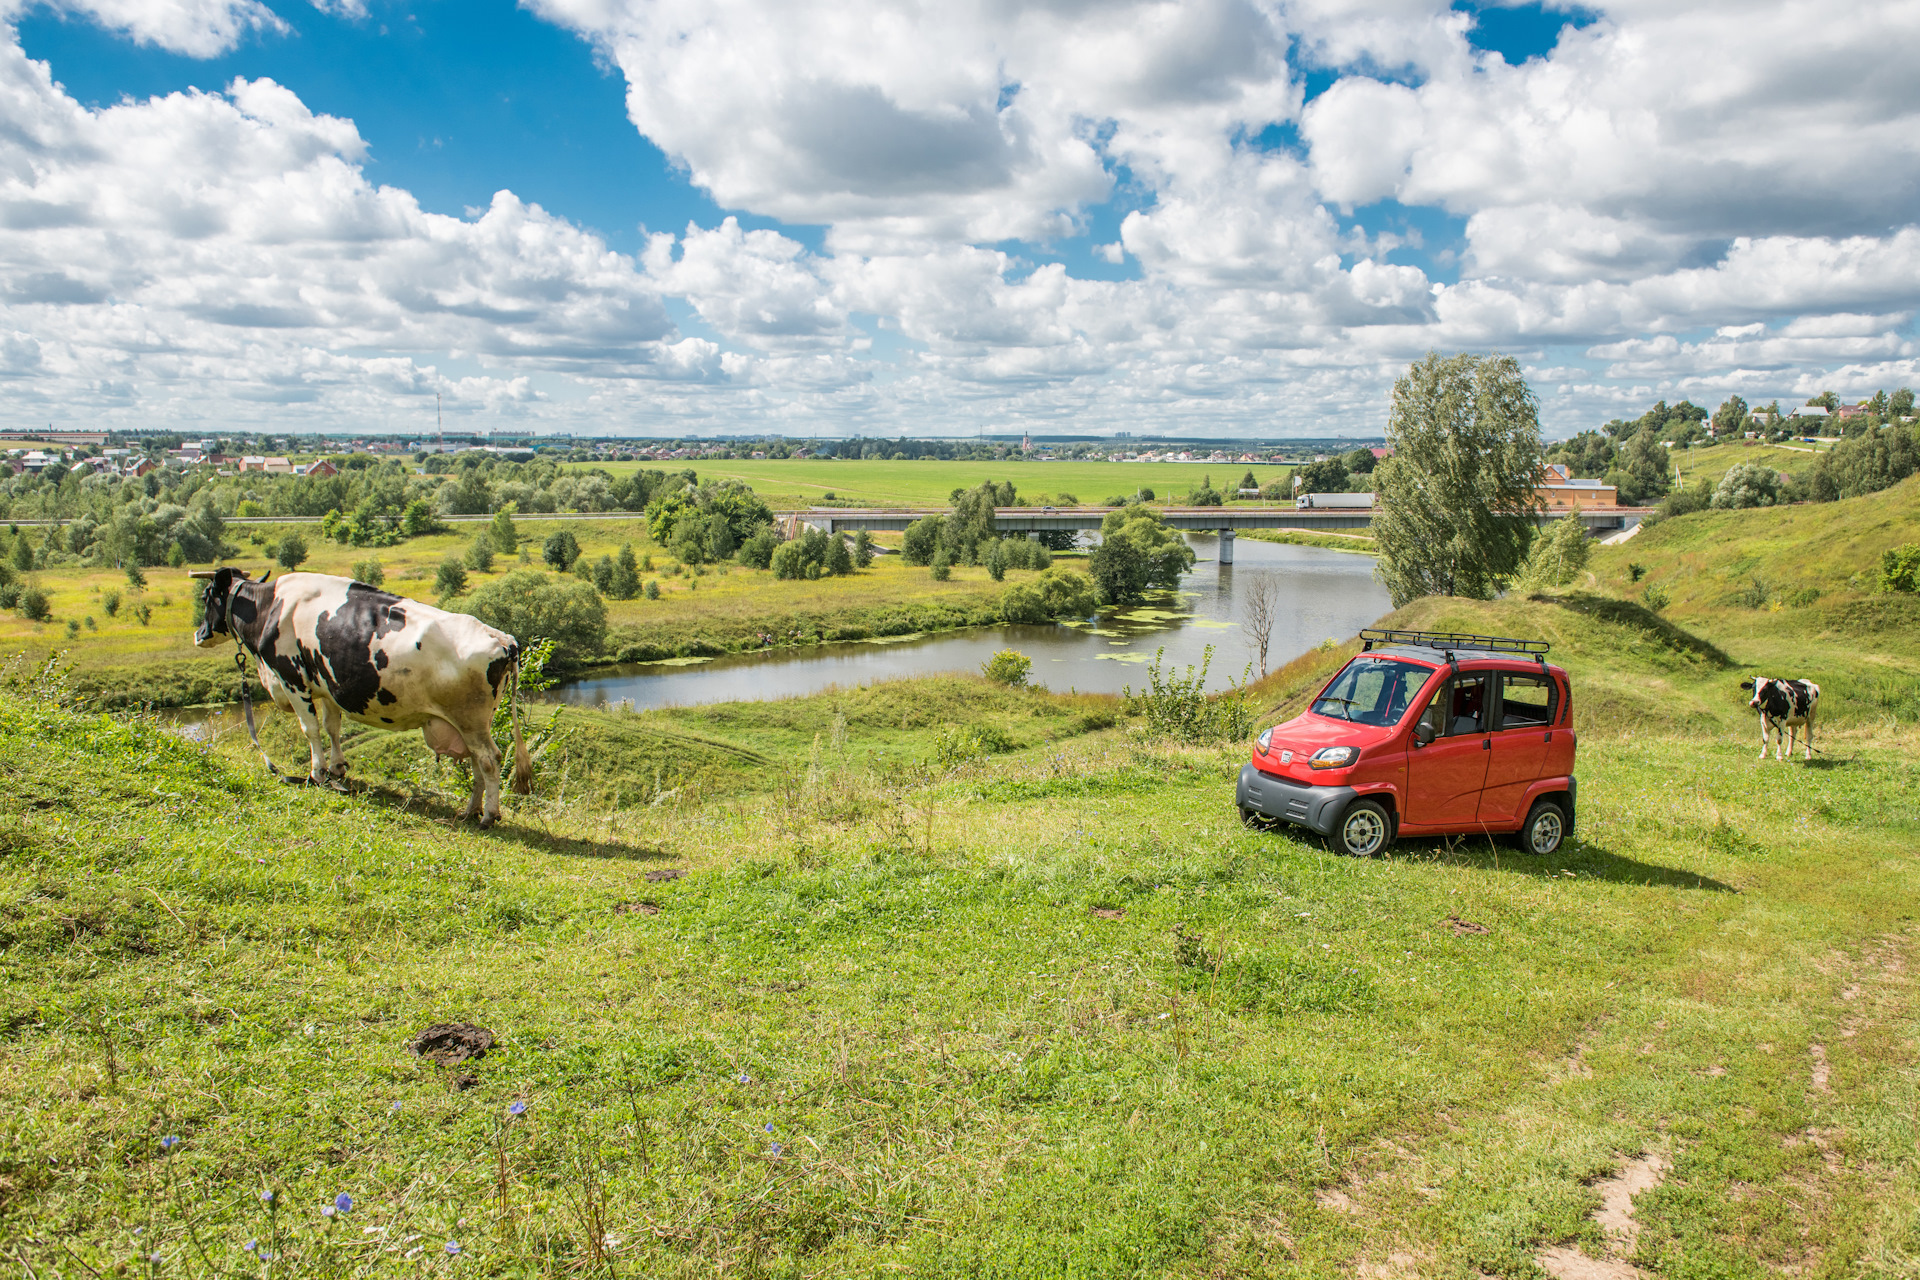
(201, 573)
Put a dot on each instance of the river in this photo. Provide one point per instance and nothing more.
(1322, 594)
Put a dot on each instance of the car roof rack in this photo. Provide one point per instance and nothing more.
(1449, 641)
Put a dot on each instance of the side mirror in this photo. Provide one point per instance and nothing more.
(1423, 734)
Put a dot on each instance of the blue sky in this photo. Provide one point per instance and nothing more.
(1226, 216)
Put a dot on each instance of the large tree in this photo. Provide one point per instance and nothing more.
(1137, 552)
(1457, 498)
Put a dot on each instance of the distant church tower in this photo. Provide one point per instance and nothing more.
(1026, 442)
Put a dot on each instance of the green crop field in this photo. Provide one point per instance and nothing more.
(937, 978)
(787, 483)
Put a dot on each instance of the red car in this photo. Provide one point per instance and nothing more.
(1424, 734)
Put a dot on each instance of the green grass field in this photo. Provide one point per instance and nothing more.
(1044, 1011)
(122, 660)
(787, 483)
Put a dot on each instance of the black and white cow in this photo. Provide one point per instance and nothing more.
(328, 647)
(1784, 706)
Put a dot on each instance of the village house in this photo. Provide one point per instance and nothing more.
(1558, 489)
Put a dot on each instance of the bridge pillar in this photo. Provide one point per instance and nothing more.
(1226, 546)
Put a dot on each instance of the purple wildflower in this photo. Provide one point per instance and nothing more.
(169, 1142)
(343, 1202)
(776, 1149)
(453, 1248)
(517, 1109)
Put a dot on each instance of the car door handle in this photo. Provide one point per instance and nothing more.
(1486, 744)
(1549, 737)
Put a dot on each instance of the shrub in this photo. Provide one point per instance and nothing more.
(839, 557)
(560, 550)
(111, 603)
(91, 624)
(370, 572)
(1056, 593)
(290, 552)
(862, 549)
(73, 628)
(1754, 595)
(144, 612)
(1635, 572)
(480, 554)
(1900, 568)
(922, 540)
(35, 605)
(249, 509)
(1747, 484)
(757, 552)
(997, 560)
(9, 595)
(1657, 597)
(136, 579)
(1176, 706)
(625, 584)
(418, 520)
(653, 590)
(504, 535)
(1008, 667)
(942, 567)
(959, 744)
(603, 570)
(788, 561)
(176, 556)
(1557, 556)
(451, 580)
(528, 604)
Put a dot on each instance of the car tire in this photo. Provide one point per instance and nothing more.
(1545, 828)
(1365, 829)
(1252, 821)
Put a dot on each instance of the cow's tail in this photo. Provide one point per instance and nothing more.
(522, 766)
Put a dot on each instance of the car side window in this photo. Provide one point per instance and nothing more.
(1459, 707)
(1527, 701)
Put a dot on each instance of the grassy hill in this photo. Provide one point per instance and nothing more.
(1033, 1006)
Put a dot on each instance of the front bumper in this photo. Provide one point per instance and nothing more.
(1317, 808)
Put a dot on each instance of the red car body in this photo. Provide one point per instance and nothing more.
(1424, 735)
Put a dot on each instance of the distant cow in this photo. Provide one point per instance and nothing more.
(330, 646)
(1784, 706)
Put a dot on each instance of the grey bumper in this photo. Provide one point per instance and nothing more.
(1318, 808)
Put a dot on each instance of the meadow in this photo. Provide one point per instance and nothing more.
(789, 483)
(143, 653)
(943, 978)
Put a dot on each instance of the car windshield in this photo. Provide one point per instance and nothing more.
(1372, 690)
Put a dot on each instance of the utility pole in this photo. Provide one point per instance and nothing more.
(439, 424)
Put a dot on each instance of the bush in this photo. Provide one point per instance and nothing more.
(839, 557)
(480, 554)
(922, 540)
(528, 605)
(1747, 484)
(111, 603)
(176, 557)
(143, 612)
(959, 744)
(370, 572)
(290, 552)
(9, 595)
(1657, 597)
(1685, 501)
(1008, 667)
(451, 580)
(757, 552)
(1557, 556)
(1057, 593)
(1900, 568)
(788, 561)
(862, 550)
(942, 567)
(418, 520)
(602, 577)
(560, 550)
(249, 509)
(503, 533)
(653, 590)
(1176, 706)
(1755, 595)
(136, 579)
(997, 560)
(626, 575)
(35, 605)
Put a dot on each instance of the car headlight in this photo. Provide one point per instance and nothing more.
(1264, 741)
(1333, 758)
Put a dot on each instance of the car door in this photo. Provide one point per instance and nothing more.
(1444, 778)
(1526, 711)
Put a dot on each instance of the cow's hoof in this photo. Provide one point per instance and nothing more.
(486, 822)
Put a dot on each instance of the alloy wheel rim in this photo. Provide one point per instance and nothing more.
(1546, 832)
(1363, 832)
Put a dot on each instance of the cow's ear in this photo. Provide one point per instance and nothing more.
(1746, 684)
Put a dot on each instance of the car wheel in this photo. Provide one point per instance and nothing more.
(1251, 819)
(1365, 829)
(1546, 827)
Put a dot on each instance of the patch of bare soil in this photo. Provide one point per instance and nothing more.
(659, 874)
(1822, 1072)
(451, 1043)
(1615, 1217)
(1463, 928)
(639, 908)
(1110, 913)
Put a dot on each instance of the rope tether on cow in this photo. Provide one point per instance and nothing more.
(246, 709)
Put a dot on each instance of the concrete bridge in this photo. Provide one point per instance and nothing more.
(1224, 521)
